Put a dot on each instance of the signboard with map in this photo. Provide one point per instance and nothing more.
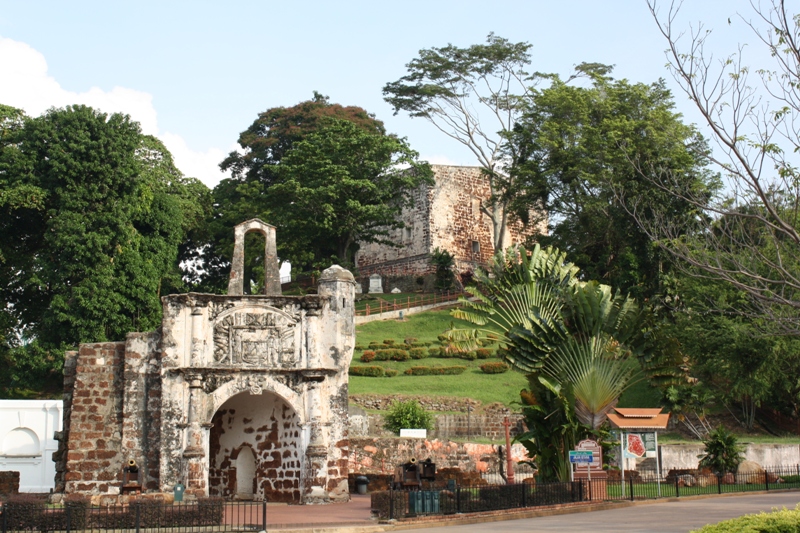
(639, 445)
(596, 466)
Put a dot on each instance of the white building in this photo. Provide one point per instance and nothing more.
(27, 443)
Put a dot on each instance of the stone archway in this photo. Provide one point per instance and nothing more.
(267, 427)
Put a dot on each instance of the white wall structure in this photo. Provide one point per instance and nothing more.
(27, 443)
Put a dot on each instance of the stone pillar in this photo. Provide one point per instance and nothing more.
(198, 339)
(317, 451)
(194, 453)
(272, 278)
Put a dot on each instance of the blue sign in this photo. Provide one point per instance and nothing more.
(578, 456)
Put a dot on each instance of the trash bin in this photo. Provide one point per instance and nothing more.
(361, 484)
(177, 491)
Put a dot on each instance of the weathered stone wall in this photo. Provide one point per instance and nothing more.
(95, 456)
(446, 215)
(381, 455)
(141, 425)
(60, 456)
(9, 483)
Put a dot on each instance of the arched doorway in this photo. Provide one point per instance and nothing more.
(255, 444)
(245, 473)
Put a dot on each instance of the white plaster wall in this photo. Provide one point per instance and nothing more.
(27, 443)
(685, 455)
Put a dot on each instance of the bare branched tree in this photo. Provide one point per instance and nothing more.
(745, 231)
(473, 95)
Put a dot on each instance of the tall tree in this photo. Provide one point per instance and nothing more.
(264, 184)
(473, 95)
(92, 218)
(574, 145)
(342, 185)
(751, 113)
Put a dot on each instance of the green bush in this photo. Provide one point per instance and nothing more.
(368, 371)
(392, 354)
(434, 352)
(723, 453)
(435, 370)
(374, 345)
(483, 353)
(389, 372)
(468, 356)
(775, 522)
(368, 356)
(494, 368)
(407, 415)
(418, 353)
(388, 342)
(359, 348)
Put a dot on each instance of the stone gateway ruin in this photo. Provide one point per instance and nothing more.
(239, 396)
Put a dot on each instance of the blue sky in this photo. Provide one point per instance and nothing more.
(198, 73)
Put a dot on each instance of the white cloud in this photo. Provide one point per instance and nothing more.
(25, 84)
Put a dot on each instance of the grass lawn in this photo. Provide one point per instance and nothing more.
(402, 299)
(426, 327)
(473, 383)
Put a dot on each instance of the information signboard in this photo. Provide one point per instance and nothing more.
(639, 445)
(580, 456)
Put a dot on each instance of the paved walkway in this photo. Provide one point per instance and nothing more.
(670, 516)
(663, 516)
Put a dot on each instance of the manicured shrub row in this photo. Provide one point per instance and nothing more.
(393, 354)
(774, 522)
(444, 353)
(372, 371)
(435, 370)
(494, 368)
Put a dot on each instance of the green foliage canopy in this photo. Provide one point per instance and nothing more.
(92, 215)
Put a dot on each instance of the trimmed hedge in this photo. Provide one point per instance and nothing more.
(392, 354)
(435, 370)
(483, 353)
(368, 371)
(368, 356)
(774, 522)
(494, 368)
(389, 372)
(418, 353)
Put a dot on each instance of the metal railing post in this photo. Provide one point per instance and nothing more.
(677, 491)
(630, 483)
(391, 503)
(719, 484)
(264, 514)
(138, 507)
(458, 499)
(766, 478)
(68, 510)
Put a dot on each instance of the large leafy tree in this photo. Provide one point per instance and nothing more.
(342, 185)
(256, 169)
(473, 95)
(574, 145)
(91, 219)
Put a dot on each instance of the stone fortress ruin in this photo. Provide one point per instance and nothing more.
(239, 396)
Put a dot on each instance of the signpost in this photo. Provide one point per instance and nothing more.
(580, 457)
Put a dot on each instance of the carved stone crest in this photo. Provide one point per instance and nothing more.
(255, 339)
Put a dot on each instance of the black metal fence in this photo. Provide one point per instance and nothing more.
(396, 504)
(204, 515)
(691, 483)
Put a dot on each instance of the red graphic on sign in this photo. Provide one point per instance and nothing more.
(635, 445)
